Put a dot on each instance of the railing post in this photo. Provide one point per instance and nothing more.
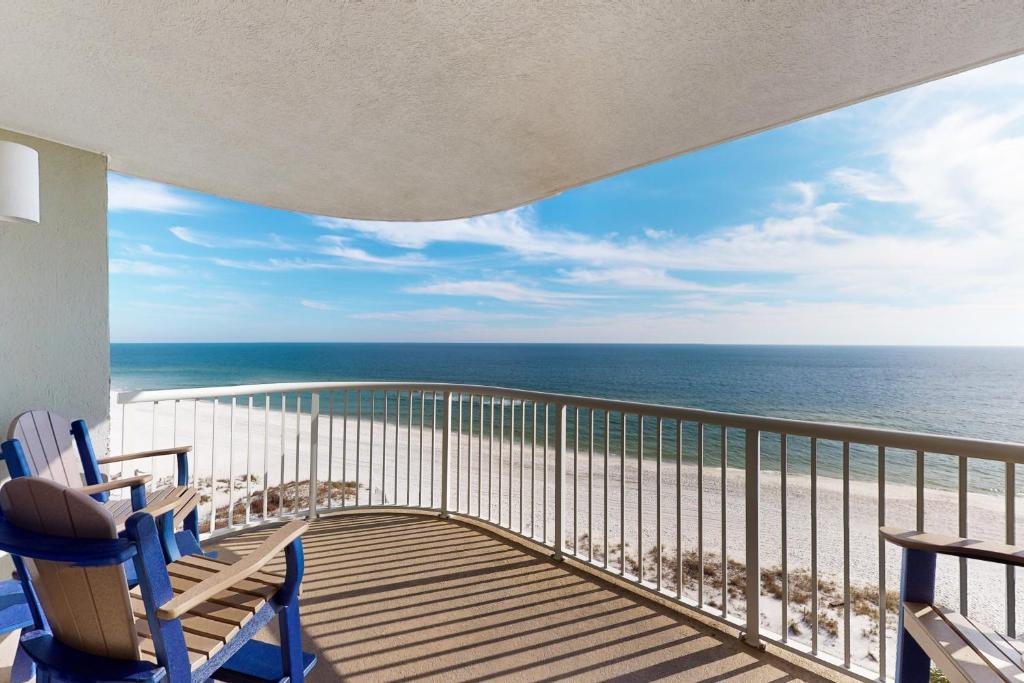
(752, 487)
(314, 443)
(560, 415)
(446, 430)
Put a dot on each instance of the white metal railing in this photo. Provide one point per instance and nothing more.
(648, 493)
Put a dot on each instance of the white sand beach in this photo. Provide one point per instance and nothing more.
(256, 451)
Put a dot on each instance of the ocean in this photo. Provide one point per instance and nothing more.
(970, 392)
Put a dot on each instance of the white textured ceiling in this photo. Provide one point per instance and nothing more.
(430, 110)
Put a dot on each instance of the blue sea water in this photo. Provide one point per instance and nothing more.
(971, 392)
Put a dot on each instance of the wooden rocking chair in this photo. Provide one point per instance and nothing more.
(187, 621)
(43, 444)
(963, 649)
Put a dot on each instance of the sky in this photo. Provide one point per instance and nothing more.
(895, 221)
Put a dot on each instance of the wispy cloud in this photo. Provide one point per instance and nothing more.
(211, 241)
(317, 305)
(639, 278)
(441, 314)
(511, 292)
(337, 246)
(135, 194)
(131, 267)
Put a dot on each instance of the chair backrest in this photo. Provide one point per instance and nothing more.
(50, 450)
(88, 608)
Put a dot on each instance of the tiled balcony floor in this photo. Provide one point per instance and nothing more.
(408, 597)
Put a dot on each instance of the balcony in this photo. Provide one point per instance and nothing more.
(400, 596)
(727, 525)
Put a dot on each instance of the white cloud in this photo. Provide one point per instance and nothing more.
(498, 289)
(963, 171)
(132, 267)
(339, 247)
(203, 239)
(442, 314)
(317, 305)
(135, 194)
(641, 278)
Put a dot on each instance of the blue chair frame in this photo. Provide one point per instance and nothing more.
(144, 543)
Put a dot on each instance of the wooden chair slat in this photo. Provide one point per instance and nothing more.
(228, 598)
(195, 623)
(946, 647)
(195, 642)
(989, 644)
(266, 578)
(254, 588)
(49, 448)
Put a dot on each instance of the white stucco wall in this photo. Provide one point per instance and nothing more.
(54, 322)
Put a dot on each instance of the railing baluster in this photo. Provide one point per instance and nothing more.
(962, 528)
(490, 460)
(193, 470)
(622, 493)
(784, 498)
(511, 454)
(752, 509)
(920, 490)
(522, 453)
(607, 445)
(533, 473)
(419, 488)
(231, 464)
(330, 450)
(398, 423)
(408, 455)
(344, 452)
(724, 461)
(446, 431)
(679, 509)
(640, 498)
(298, 445)
(213, 469)
(846, 554)
(700, 514)
(560, 501)
(248, 462)
(1011, 539)
(814, 546)
(544, 502)
(384, 454)
(501, 459)
(359, 442)
(433, 443)
(882, 596)
(314, 455)
(266, 452)
(590, 489)
(575, 481)
(657, 515)
(280, 486)
(373, 417)
(458, 456)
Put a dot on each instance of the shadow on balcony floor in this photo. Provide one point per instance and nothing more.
(408, 597)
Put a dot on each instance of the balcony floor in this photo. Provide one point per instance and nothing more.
(390, 596)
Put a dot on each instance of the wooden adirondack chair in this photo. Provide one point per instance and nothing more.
(43, 444)
(963, 649)
(188, 620)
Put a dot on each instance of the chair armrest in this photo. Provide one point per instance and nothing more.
(140, 480)
(145, 454)
(233, 573)
(160, 508)
(951, 545)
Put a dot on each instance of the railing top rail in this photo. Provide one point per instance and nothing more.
(889, 438)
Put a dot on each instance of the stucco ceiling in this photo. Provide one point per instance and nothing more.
(430, 110)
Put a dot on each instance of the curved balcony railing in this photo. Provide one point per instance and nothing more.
(768, 525)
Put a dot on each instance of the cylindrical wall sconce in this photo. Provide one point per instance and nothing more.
(19, 183)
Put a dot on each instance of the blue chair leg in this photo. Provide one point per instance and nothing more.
(291, 641)
(917, 584)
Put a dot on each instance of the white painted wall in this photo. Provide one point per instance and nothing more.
(54, 305)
